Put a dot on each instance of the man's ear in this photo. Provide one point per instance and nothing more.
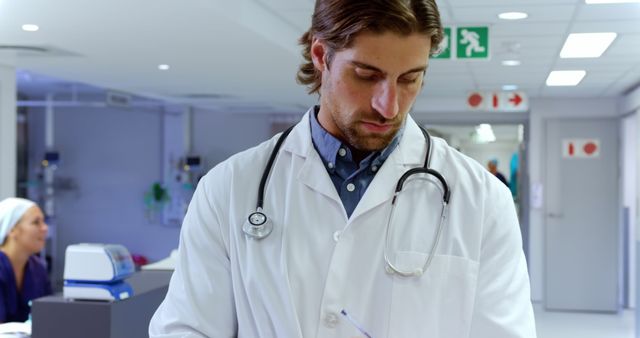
(318, 54)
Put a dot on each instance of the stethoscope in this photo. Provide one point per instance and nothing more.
(259, 226)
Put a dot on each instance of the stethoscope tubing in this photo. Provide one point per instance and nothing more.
(255, 230)
(267, 171)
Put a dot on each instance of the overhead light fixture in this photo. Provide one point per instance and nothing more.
(483, 134)
(510, 63)
(565, 77)
(163, 67)
(30, 27)
(599, 2)
(586, 45)
(513, 15)
(509, 87)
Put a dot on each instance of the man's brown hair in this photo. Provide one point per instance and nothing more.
(338, 22)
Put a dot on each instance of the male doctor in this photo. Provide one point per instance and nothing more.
(342, 260)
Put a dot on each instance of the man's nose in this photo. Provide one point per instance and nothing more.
(385, 100)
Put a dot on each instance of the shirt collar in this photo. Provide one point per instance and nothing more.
(327, 145)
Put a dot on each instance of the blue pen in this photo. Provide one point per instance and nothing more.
(355, 324)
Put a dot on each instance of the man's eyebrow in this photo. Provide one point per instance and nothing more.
(359, 64)
(366, 66)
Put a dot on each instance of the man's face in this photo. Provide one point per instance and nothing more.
(369, 88)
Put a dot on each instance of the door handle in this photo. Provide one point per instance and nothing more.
(555, 215)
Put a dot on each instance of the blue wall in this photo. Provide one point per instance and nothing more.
(110, 158)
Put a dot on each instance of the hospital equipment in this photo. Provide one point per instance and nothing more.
(97, 271)
(259, 226)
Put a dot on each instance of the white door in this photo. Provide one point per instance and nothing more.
(583, 232)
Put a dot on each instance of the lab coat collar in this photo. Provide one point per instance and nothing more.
(312, 173)
(409, 153)
(299, 140)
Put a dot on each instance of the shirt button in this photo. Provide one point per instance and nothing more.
(336, 235)
(330, 165)
(331, 320)
(374, 168)
(351, 187)
(342, 152)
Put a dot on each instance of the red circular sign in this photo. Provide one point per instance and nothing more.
(474, 100)
(590, 148)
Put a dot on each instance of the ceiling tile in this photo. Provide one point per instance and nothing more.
(537, 13)
(620, 26)
(617, 12)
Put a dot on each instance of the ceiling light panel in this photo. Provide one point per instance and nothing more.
(510, 63)
(30, 27)
(565, 77)
(513, 15)
(586, 45)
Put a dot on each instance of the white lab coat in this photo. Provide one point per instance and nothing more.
(316, 262)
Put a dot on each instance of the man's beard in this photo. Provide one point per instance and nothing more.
(362, 140)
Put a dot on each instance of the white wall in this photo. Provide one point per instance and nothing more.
(631, 104)
(628, 105)
(541, 111)
(629, 159)
(217, 136)
(8, 132)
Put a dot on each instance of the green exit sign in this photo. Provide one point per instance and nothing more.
(472, 43)
(445, 45)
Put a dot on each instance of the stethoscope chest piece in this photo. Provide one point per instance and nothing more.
(257, 225)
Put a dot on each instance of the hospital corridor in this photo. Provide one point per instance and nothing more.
(320, 168)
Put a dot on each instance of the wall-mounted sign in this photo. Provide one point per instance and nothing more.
(464, 43)
(472, 43)
(475, 100)
(581, 148)
(445, 45)
(498, 101)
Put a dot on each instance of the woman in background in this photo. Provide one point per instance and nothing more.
(23, 276)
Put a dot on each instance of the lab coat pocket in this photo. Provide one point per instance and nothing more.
(437, 304)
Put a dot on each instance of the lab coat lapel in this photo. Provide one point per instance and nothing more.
(312, 173)
(409, 154)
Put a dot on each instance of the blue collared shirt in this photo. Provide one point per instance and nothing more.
(350, 179)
